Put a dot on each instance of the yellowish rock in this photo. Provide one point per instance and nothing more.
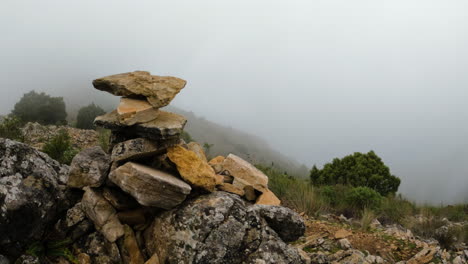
(198, 149)
(193, 170)
(153, 260)
(135, 111)
(129, 248)
(245, 173)
(227, 187)
(342, 233)
(268, 198)
(159, 90)
(217, 163)
(249, 193)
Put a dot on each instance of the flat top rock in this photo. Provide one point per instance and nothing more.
(165, 125)
(159, 90)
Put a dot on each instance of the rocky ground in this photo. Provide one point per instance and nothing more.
(155, 199)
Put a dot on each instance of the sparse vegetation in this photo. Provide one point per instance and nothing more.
(60, 148)
(186, 137)
(104, 137)
(41, 108)
(86, 116)
(10, 127)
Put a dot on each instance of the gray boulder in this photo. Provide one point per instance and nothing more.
(89, 168)
(217, 228)
(32, 194)
(287, 224)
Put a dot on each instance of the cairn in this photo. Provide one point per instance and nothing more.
(150, 168)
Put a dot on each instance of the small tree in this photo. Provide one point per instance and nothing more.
(359, 169)
(207, 146)
(42, 108)
(10, 127)
(60, 148)
(86, 116)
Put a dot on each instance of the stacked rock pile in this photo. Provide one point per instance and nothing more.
(151, 170)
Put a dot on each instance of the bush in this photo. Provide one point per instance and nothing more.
(104, 139)
(11, 128)
(395, 209)
(363, 197)
(86, 116)
(60, 148)
(358, 169)
(186, 137)
(42, 108)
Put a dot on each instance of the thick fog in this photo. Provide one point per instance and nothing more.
(316, 79)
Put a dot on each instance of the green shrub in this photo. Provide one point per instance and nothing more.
(60, 148)
(186, 137)
(86, 116)
(11, 128)
(363, 197)
(42, 108)
(359, 169)
(395, 209)
(104, 138)
(366, 219)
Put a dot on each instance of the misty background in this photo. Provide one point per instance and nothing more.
(314, 79)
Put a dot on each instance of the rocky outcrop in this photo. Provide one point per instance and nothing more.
(150, 187)
(32, 194)
(158, 90)
(217, 228)
(89, 168)
(134, 149)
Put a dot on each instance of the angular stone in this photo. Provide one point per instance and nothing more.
(193, 169)
(101, 212)
(132, 217)
(89, 168)
(129, 249)
(245, 173)
(118, 199)
(227, 187)
(150, 187)
(159, 90)
(217, 163)
(342, 233)
(153, 260)
(287, 223)
(134, 111)
(100, 250)
(197, 149)
(249, 193)
(167, 126)
(134, 149)
(268, 198)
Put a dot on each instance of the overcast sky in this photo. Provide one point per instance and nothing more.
(316, 79)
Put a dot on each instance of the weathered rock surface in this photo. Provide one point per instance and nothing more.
(134, 111)
(99, 250)
(89, 168)
(217, 163)
(134, 149)
(245, 173)
(32, 194)
(217, 228)
(268, 198)
(194, 170)
(150, 187)
(101, 212)
(159, 90)
(197, 149)
(227, 187)
(118, 199)
(287, 224)
(129, 249)
(167, 126)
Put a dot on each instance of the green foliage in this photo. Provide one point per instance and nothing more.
(366, 219)
(186, 137)
(207, 146)
(60, 148)
(394, 209)
(86, 116)
(42, 108)
(358, 169)
(363, 197)
(56, 248)
(104, 138)
(11, 128)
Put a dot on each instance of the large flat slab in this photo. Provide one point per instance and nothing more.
(150, 187)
